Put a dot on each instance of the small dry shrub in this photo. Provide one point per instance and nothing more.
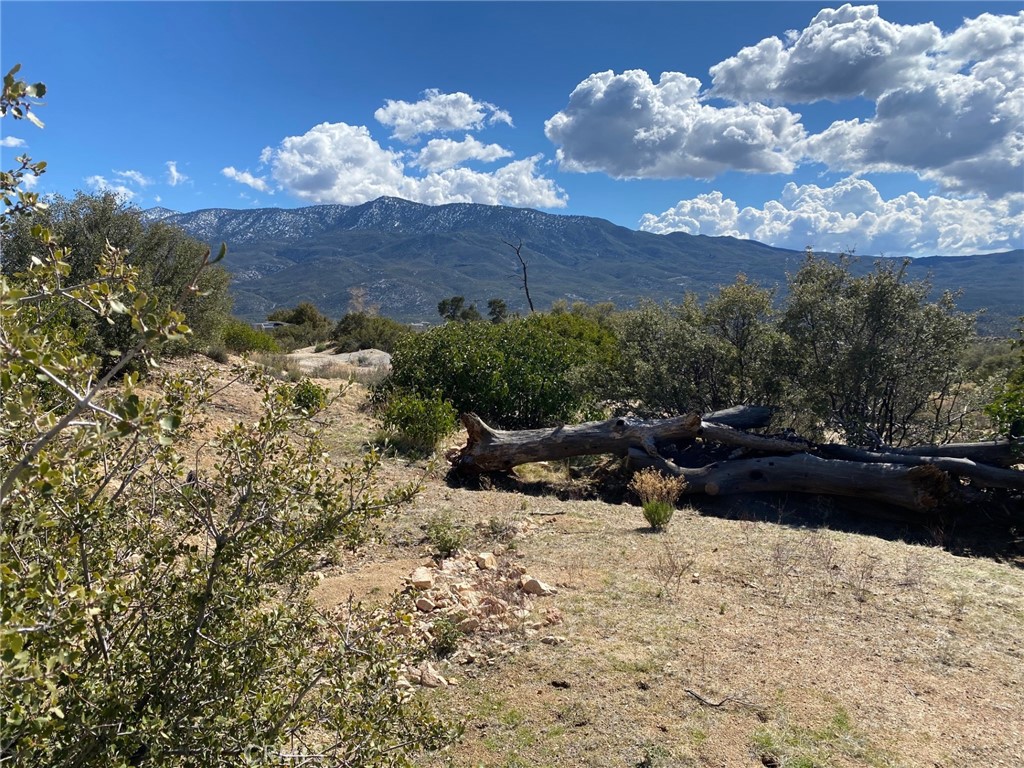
(670, 568)
(658, 494)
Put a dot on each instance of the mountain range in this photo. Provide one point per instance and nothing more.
(408, 256)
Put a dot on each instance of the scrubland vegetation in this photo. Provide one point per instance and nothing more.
(156, 591)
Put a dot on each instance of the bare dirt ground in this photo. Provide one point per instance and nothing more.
(750, 634)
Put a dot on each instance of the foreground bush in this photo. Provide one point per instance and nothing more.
(165, 259)
(156, 608)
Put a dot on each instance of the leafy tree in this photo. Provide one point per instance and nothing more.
(669, 361)
(497, 310)
(874, 359)
(154, 619)
(454, 309)
(741, 319)
(165, 258)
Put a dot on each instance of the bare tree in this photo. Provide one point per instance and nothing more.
(519, 255)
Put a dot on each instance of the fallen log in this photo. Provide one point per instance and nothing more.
(918, 488)
(999, 453)
(742, 416)
(982, 474)
(920, 481)
(496, 450)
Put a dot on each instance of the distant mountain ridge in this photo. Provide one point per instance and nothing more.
(408, 256)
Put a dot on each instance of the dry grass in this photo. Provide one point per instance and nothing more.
(722, 642)
(651, 485)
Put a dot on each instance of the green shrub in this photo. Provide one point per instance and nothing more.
(240, 337)
(306, 326)
(165, 258)
(308, 396)
(445, 636)
(523, 373)
(415, 424)
(658, 514)
(445, 535)
(218, 354)
(1007, 409)
(658, 494)
(359, 330)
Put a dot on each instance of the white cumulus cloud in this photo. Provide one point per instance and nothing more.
(516, 183)
(133, 177)
(101, 185)
(174, 176)
(627, 126)
(852, 214)
(341, 163)
(947, 107)
(438, 112)
(442, 154)
(11, 141)
(843, 52)
(966, 134)
(336, 163)
(244, 177)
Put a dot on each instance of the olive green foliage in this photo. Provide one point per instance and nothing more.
(1007, 410)
(518, 374)
(240, 337)
(155, 616)
(454, 309)
(497, 310)
(18, 100)
(308, 396)
(658, 514)
(445, 637)
(165, 258)
(447, 537)
(306, 327)
(686, 357)
(360, 330)
(872, 357)
(414, 424)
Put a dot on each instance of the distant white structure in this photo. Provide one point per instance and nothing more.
(269, 325)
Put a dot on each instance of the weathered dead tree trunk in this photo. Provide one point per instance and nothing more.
(742, 416)
(918, 488)
(920, 479)
(999, 453)
(496, 450)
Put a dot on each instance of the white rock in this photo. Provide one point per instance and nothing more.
(486, 561)
(422, 578)
(424, 605)
(430, 677)
(532, 586)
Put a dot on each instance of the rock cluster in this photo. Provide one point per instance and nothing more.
(489, 599)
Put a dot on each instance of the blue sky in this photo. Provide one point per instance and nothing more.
(893, 129)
